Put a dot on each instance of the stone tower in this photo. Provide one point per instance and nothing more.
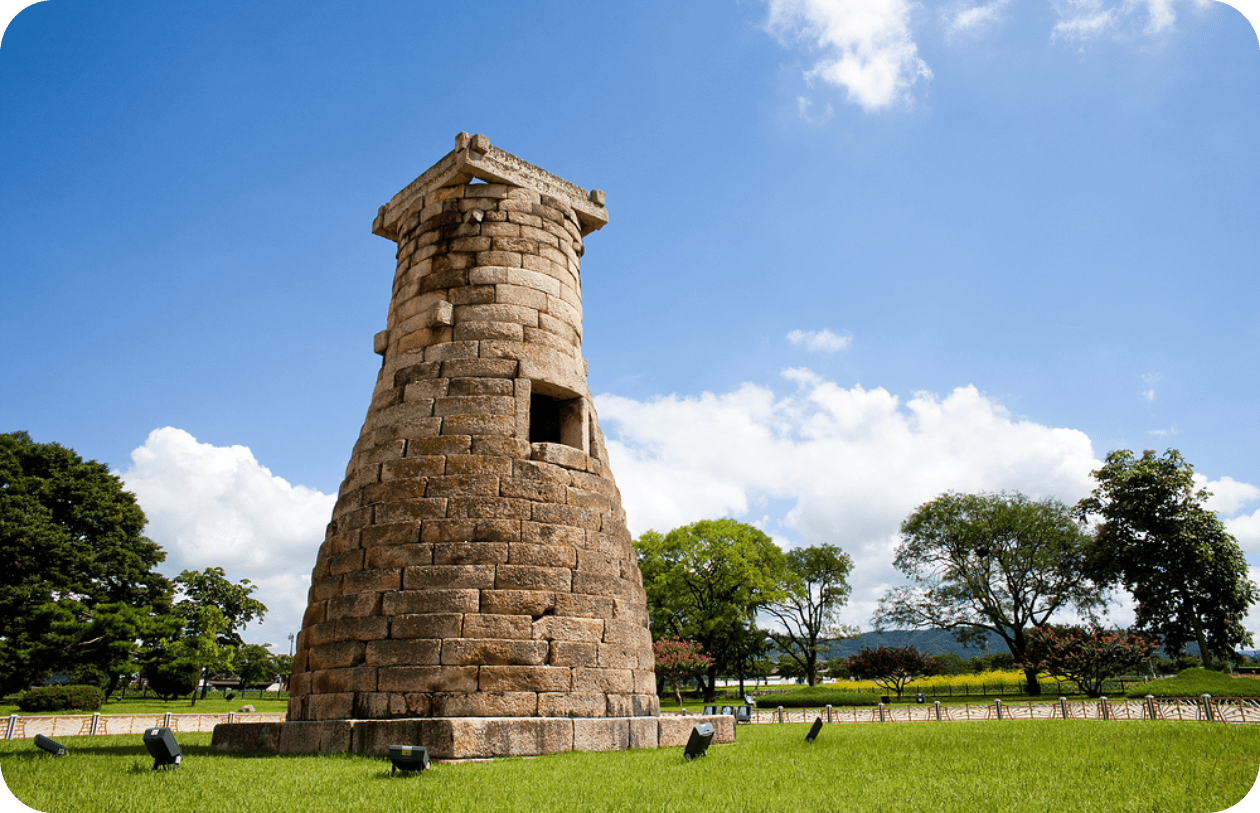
(478, 563)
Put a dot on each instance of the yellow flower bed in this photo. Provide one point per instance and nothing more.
(977, 683)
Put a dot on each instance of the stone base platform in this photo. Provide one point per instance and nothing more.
(468, 737)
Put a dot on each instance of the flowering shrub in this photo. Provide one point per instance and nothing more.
(677, 660)
(1088, 658)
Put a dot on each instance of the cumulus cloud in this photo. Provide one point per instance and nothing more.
(819, 341)
(826, 464)
(1150, 380)
(866, 46)
(217, 506)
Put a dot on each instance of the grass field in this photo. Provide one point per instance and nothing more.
(1024, 766)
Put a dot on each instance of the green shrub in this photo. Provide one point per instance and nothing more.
(809, 697)
(1197, 681)
(62, 698)
(169, 681)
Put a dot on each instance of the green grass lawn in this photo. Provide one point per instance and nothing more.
(1011, 766)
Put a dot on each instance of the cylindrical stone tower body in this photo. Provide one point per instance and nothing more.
(478, 562)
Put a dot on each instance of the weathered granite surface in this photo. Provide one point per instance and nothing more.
(478, 563)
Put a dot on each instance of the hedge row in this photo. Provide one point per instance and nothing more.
(62, 698)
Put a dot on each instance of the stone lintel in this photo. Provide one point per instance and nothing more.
(475, 157)
(468, 737)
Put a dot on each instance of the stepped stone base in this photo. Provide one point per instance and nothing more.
(468, 737)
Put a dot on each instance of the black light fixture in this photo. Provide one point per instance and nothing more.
(408, 758)
(52, 747)
(813, 730)
(699, 741)
(162, 747)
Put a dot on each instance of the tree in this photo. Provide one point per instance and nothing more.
(211, 611)
(990, 562)
(254, 664)
(1155, 538)
(74, 555)
(891, 667)
(706, 581)
(677, 661)
(814, 591)
(1088, 658)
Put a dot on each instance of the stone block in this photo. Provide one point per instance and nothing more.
(366, 581)
(328, 707)
(426, 625)
(525, 679)
(493, 652)
(545, 533)
(316, 737)
(479, 466)
(479, 367)
(573, 653)
(479, 425)
(485, 625)
(558, 628)
(470, 553)
(528, 577)
(576, 605)
(484, 331)
(409, 510)
(485, 704)
(531, 489)
(369, 628)
(404, 652)
(475, 405)
(470, 387)
(407, 602)
(645, 732)
(486, 507)
(392, 534)
(449, 577)
(335, 655)
(572, 704)
(427, 679)
(374, 737)
(542, 555)
(399, 556)
(616, 681)
(491, 446)
(438, 447)
(601, 735)
(246, 737)
(553, 514)
(507, 738)
(517, 602)
(354, 679)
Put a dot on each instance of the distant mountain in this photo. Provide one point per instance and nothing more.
(933, 642)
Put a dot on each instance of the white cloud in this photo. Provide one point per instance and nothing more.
(1084, 19)
(820, 341)
(960, 19)
(214, 506)
(844, 465)
(866, 46)
(1228, 495)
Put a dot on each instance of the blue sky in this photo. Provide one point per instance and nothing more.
(860, 253)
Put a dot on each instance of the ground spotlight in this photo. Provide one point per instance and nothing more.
(52, 747)
(813, 730)
(699, 741)
(162, 747)
(408, 758)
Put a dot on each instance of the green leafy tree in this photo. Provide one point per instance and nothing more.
(78, 584)
(1088, 658)
(706, 581)
(983, 563)
(891, 667)
(815, 589)
(254, 664)
(1155, 538)
(212, 611)
(677, 661)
